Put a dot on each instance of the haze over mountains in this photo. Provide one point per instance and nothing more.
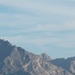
(17, 61)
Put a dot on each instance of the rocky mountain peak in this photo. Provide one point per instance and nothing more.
(3, 42)
(5, 49)
(45, 57)
(17, 61)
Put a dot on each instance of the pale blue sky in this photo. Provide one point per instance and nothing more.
(39, 25)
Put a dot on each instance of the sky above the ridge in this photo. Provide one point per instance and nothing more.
(39, 25)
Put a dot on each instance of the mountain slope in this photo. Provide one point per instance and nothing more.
(17, 61)
(67, 64)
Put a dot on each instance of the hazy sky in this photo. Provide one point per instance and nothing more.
(39, 25)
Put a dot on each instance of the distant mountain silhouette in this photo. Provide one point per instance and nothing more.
(17, 61)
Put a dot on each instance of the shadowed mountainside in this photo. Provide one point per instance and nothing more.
(68, 64)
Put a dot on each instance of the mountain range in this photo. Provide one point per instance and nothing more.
(18, 61)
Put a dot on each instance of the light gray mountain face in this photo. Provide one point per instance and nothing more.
(17, 61)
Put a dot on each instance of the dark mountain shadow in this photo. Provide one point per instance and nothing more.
(5, 49)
